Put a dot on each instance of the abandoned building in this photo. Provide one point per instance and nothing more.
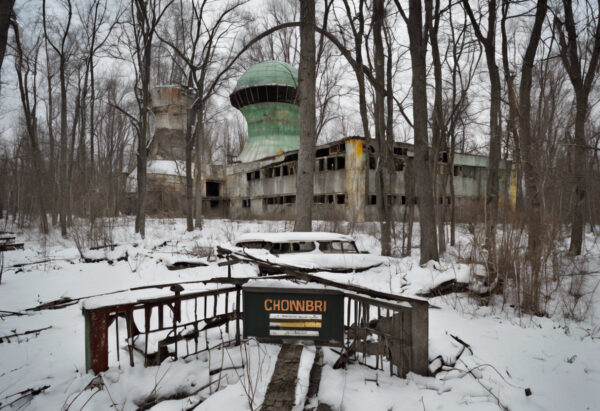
(261, 184)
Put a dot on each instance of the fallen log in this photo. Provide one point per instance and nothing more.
(7, 337)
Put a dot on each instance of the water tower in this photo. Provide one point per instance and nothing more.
(266, 96)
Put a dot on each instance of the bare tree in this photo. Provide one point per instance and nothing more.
(579, 54)
(421, 167)
(306, 100)
(63, 48)
(26, 67)
(492, 190)
(144, 17)
(206, 66)
(6, 10)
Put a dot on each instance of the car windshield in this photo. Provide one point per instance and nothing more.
(346, 247)
(295, 247)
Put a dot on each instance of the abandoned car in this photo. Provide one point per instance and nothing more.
(308, 251)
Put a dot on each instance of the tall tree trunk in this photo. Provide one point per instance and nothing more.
(382, 147)
(6, 9)
(306, 100)
(532, 193)
(63, 180)
(422, 170)
(199, 134)
(438, 132)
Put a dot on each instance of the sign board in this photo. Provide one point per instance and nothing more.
(275, 314)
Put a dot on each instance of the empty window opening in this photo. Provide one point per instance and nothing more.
(330, 163)
(341, 198)
(443, 157)
(372, 163)
(248, 176)
(268, 173)
(257, 175)
(322, 152)
(320, 199)
(321, 164)
(372, 200)
(330, 199)
(246, 203)
(403, 199)
(448, 200)
(341, 163)
(212, 189)
(284, 170)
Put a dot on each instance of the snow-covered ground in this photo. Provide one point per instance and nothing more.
(556, 358)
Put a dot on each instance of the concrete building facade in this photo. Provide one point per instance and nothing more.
(262, 184)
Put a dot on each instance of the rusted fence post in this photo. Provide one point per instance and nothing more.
(96, 340)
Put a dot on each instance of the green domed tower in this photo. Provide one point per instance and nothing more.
(266, 96)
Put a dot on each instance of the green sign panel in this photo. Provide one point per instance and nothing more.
(275, 314)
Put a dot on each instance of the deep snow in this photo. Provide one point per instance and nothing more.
(557, 358)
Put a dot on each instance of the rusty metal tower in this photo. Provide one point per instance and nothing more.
(266, 96)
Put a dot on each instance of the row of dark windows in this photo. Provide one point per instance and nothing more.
(329, 199)
(336, 199)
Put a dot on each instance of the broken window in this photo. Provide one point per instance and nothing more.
(303, 246)
(319, 199)
(289, 199)
(212, 189)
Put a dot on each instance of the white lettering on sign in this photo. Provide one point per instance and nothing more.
(293, 333)
(280, 316)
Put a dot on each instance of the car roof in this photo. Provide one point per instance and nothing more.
(289, 237)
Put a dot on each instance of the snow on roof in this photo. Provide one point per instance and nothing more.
(167, 167)
(287, 237)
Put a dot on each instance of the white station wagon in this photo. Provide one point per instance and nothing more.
(309, 250)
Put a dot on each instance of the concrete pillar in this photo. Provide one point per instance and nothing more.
(356, 160)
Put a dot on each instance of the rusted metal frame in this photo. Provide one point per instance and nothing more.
(226, 312)
(169, 299)
(238, 289)
(355, 325)
(117, 337)
(196, 324)
(147, 314)
(378, 343)
(129, 323)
